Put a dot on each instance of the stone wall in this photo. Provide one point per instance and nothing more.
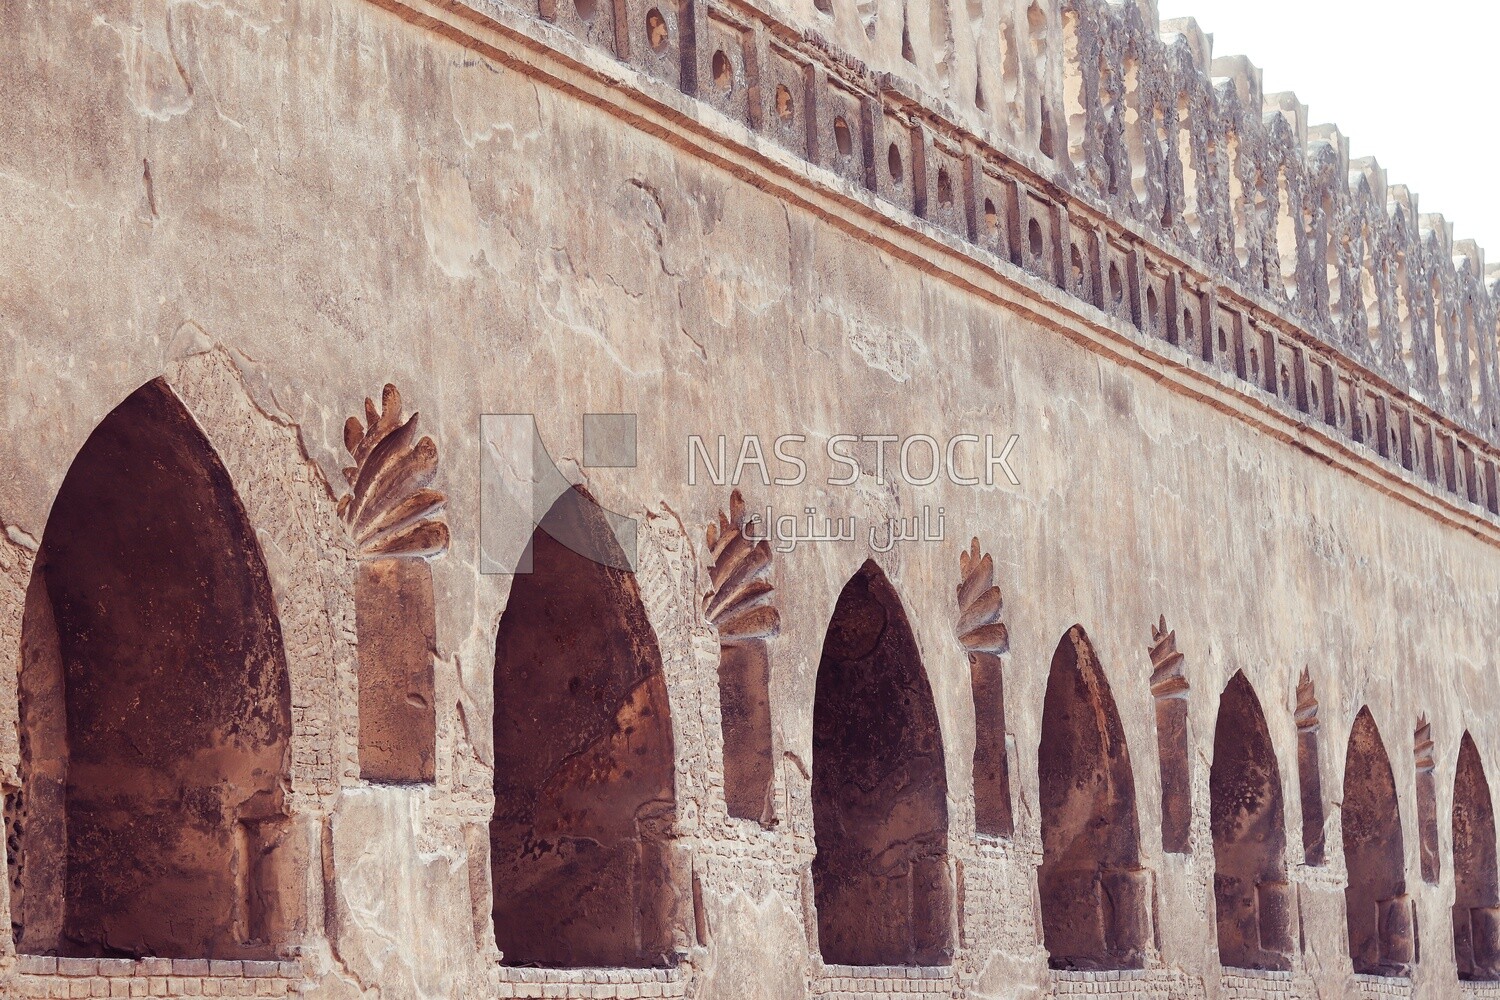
(870, 221)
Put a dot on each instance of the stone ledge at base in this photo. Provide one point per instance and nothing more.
(1479, 991)
(1382, 986)
(588, 984)
(857, 982)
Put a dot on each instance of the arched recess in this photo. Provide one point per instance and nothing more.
(1074, 98)
(1336, 291)
(740, 607)
(584, 793)
(1010, 74)
(1188, 210)
(879, 789)
(1286, 235)
(1139, 130)
(1442, 333)
(1040, 81)
(1310, 772)
(155, 710)
(940, 41)
(394, 518)
(986, 639)
(1093, 890)
(1401, 279)
(1369, 294)
(1377, 909)
(1251, 897)
(1476, 884)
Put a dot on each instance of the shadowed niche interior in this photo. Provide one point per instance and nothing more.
(155, 710)
(1251, 895)
(584, 799)
(1476, 889)
(879, 789)
(1094, 891)
(1382, 932)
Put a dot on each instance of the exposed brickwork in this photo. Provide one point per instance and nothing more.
(589, 984)
(1372, 987)
(58, 978)
(843, 982)
(1128, 983)
(1242, 984)
(996, 885)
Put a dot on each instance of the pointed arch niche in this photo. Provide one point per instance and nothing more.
(1251, 895)
(879, 789)
(1382, 933)
(584, 793)
(1476, 885)
(155, 709)
(1094, 891)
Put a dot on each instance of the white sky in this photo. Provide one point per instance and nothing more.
(1410, 84)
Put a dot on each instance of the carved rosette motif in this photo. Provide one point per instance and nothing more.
(391, 511)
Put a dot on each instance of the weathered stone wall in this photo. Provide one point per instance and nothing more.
(277, 208)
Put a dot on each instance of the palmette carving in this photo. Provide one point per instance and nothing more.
(391, 511)
(980, 603)
(1306, 713)
(1423, 745)
(739, 600)
(1166, 662)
